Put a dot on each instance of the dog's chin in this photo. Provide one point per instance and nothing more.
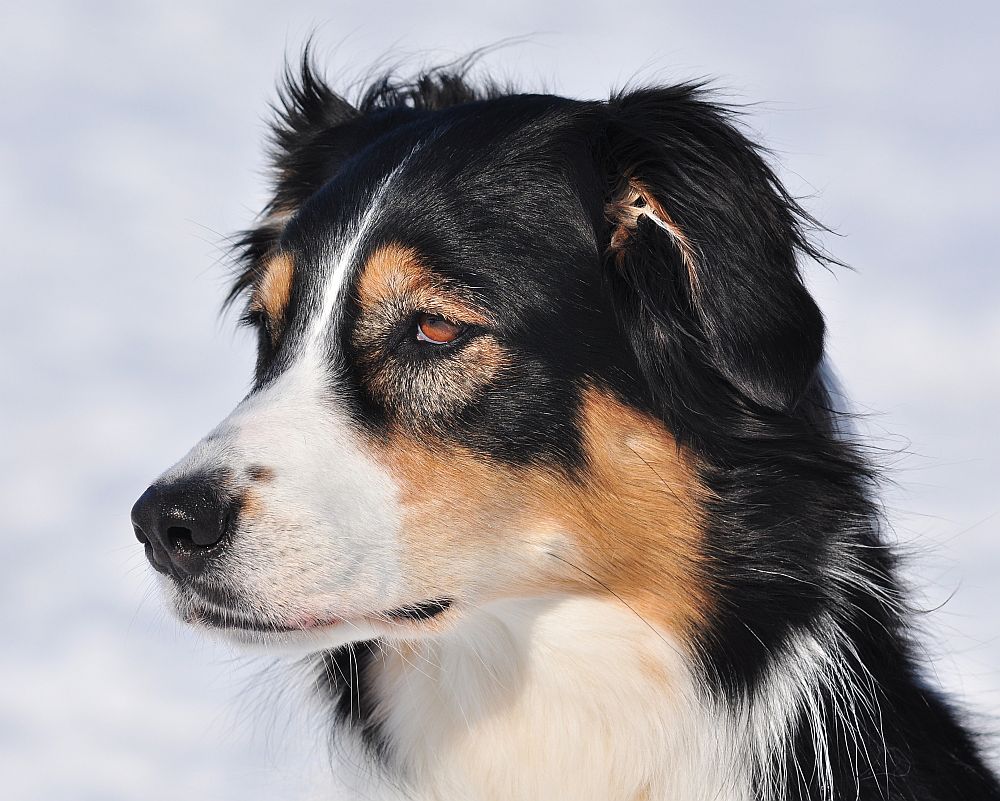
(309, 634)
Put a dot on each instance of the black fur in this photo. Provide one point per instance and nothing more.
(510, 194)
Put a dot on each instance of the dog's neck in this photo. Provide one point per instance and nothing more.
(575, 699)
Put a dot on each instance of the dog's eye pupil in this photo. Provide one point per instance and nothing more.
(435, 329)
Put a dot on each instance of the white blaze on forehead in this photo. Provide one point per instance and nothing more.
(335, 283)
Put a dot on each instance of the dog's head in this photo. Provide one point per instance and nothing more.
(500, 338)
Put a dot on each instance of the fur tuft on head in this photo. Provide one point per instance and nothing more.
(315, 130)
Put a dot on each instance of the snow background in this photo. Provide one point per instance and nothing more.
(131, 143)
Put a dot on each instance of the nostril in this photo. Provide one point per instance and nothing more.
(195, 535)
(181, 537)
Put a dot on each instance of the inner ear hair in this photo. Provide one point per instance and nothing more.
(634, 201)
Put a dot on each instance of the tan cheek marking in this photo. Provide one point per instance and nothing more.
(634, 517)
(275, 288)
(639, 514)
(457, 508)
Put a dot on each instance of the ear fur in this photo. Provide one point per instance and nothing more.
(703, 243)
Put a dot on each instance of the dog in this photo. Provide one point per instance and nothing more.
(542, 467)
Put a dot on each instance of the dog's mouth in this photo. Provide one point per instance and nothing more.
(414, 613)
(425, 610)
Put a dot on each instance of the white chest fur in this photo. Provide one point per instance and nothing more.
(556, 699)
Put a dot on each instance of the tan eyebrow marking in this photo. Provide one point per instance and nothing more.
(395, 275)
(274, 290)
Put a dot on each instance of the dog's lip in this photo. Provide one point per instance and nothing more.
(424, 610)
(408, 614)
(217, 619)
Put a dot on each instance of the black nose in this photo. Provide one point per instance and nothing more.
(183, 524)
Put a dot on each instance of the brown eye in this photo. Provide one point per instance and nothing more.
(436, 330)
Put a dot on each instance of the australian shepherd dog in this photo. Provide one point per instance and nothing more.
(542, 469)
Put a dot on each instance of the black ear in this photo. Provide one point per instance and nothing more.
(702, 245)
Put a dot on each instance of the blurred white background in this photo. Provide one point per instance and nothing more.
(131, 144)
